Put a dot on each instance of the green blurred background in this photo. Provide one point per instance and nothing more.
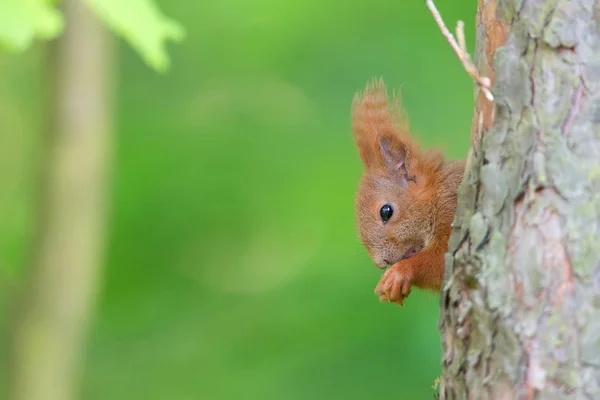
(233, 268)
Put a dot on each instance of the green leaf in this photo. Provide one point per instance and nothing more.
(22, 21)
(142, 25)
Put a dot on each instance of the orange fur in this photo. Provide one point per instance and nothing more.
(420, 187)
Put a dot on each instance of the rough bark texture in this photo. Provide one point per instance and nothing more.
(521, 305)
(491, 34)
(52, 314)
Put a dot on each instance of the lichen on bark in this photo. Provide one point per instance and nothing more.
(520, 306)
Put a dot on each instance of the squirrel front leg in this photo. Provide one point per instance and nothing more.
(424, 270)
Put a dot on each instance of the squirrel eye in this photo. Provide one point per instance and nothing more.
(386, 212)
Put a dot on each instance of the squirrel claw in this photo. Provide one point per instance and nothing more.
(395, 284)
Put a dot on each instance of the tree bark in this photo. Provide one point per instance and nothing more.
(52, 315)
(520, 307)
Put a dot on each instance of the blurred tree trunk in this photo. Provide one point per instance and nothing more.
(521, 309)
(53, 311)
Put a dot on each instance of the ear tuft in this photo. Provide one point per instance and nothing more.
(380, 128)
(370, 114)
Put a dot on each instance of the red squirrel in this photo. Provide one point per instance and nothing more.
(406, 197)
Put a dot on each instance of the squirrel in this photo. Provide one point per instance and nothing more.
(406, 197)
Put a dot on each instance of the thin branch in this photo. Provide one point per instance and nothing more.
(460, 36)
(53, 313)
(460, 49)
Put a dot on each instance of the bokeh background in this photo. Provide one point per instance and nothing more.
(233, 268)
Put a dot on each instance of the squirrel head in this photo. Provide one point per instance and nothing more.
(395, 203)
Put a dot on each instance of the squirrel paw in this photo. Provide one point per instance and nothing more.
(395, 284)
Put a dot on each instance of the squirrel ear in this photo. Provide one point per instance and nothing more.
(378, 126)
(394, 154)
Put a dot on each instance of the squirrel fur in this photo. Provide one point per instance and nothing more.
(406, 198)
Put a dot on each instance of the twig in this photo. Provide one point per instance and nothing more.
(460, 36)
(460, 49)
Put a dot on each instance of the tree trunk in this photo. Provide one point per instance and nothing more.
(521, 306)
(53, 311)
